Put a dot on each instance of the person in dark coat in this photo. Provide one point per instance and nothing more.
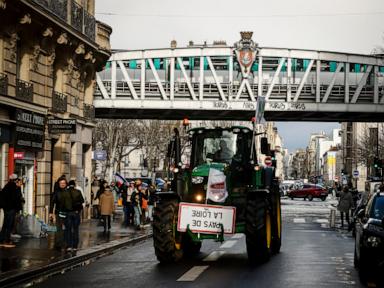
(55, 208)
(72, 221)
(345, 205)
(11, 201)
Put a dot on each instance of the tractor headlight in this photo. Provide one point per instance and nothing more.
(373, 241)
(197, 180)
(199, 197)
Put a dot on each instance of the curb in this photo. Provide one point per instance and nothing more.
(72, 262)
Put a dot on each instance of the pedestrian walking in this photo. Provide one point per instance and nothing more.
(72, 221)
(11, 201)
(345, 205)
(107, 207)
(55, 209)
(96, 202)
(95, 186)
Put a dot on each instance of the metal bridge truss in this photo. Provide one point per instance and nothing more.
(206, 83)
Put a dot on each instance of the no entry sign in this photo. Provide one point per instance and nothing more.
(268, 161)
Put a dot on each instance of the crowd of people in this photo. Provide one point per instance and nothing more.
(136, 197)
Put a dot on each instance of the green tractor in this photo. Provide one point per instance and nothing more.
(223, 191)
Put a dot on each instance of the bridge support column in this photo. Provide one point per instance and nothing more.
(260, 77)
(375, 85)
(289, 79)
(318, 71)
(346, 82)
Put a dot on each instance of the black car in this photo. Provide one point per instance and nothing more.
(369, 241)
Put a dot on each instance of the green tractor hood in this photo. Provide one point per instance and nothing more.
(203, 169)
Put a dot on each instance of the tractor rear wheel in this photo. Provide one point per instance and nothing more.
(166, 239)
(258, 230)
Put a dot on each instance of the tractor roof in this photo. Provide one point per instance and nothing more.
(220, 128)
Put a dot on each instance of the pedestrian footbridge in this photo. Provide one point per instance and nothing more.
(223, 82)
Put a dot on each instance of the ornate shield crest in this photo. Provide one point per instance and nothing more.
(246, 50)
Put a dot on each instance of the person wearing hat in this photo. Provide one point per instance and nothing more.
(11, 201)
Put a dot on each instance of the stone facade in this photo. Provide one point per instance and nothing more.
(49, 53)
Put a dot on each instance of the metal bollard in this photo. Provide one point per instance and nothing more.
(332, 220)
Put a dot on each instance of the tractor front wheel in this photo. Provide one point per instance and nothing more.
(258, 230)
(166, 239)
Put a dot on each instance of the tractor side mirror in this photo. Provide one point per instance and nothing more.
(264, 146)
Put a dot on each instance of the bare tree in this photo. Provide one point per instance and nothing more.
(370, 144)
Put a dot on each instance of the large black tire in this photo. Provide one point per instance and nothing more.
(258, 230)
(310, 197)
(166, 239)
(190, 247)
(276, 225)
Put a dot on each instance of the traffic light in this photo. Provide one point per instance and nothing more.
(376, 162)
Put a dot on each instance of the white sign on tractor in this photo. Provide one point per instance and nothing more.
(209, 219)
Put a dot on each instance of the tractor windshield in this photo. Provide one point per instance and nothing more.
(220, 146)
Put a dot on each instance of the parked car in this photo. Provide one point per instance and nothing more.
(369, 240)
(309, 191)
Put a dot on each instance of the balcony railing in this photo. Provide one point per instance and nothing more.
(77, 17)
(89, 111)
(24, 90)
(59, 102)
(3, 84)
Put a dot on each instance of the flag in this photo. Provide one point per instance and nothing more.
(120, 179)
(216, 188)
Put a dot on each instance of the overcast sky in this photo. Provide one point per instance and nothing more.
(333, 25)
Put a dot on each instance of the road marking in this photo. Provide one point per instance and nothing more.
(321, 221)
(237, 236)
(299, 220)
(214, 256)
(228, 244)
(192, 274)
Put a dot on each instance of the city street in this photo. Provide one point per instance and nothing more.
(312, 255)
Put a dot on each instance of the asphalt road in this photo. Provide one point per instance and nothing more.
(312, 255)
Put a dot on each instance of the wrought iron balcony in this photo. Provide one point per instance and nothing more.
(24, 90)
(59, 102)
(71, 13)
(89, 111)
(3, 84)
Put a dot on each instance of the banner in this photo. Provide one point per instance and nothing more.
(216, 188)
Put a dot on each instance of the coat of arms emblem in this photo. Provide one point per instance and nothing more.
(246, 50)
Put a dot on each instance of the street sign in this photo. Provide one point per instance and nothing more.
(268, 161)
(260, 109)
(210, 219)
(356, 174)
(100, 155)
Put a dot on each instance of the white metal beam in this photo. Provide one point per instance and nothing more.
(332, 83)
(201, 80)
(303, 80)
(289, 79)
(127, 79)
(113, 80)
(362, 82)
(346, 82)
(157, 78)
(142, 80)
(216, 78)
(172, 79)
(181, 64)
(250, 92)
(100, 83)
(375, 84)
(241, 88)
(318, 71)
(277, 72)
(230, 77)
(260, 77)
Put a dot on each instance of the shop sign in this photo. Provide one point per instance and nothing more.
(29, 130)
(62, 126)
(5, 134)
(18, 155)
(24, 162)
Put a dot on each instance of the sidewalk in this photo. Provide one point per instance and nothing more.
(31, 253)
